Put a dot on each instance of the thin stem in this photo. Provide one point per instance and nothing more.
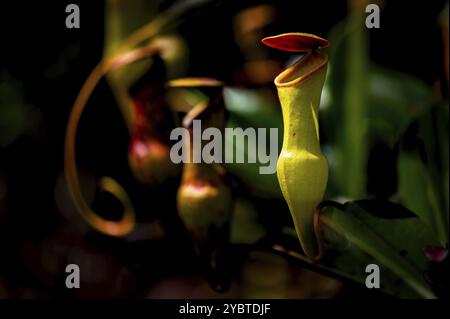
(298, 258)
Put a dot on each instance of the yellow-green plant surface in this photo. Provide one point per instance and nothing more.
(302, 169)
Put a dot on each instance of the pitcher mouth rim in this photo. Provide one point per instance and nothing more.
(279, 80)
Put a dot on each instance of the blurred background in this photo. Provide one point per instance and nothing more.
(384, 88)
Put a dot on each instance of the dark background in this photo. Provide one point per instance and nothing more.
(33, 39)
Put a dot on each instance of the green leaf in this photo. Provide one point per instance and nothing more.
(381, 241)
(141, 20)
(121, 19)
(17, 117)
(344, 113)
(423, 170)
(395, 99)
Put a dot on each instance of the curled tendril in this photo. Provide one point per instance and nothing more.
(317, 226)
(126, 224)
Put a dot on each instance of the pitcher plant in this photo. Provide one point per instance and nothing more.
(302, 169)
